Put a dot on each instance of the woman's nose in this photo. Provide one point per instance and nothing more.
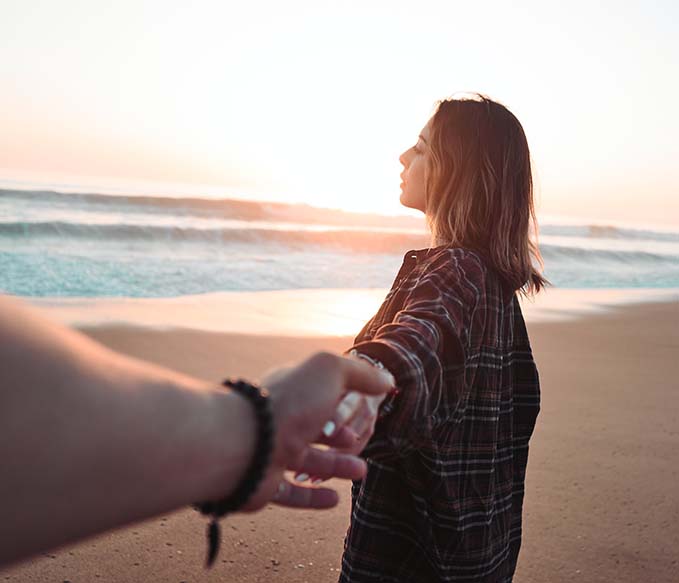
(403, 158)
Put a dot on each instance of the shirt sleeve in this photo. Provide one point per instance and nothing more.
(424, 346)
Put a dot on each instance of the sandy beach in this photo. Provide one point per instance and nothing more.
(601, 501)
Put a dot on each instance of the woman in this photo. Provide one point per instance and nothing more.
(443, 494)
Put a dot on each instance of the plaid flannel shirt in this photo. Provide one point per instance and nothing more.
(443, 495)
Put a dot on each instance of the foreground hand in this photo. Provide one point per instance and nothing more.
(303, 399)
(356, 415)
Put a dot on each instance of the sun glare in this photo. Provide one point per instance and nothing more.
(314, 102)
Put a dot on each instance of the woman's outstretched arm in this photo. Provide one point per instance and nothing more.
(424, 348)
(91, 440)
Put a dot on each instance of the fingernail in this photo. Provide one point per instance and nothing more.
(328, 428)
(316, 481)
(301, 477)
(344, 411)
(388, 377)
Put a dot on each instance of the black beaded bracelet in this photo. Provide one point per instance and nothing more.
(259, 397)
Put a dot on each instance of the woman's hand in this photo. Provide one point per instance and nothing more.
(304, 399)
(358, 413)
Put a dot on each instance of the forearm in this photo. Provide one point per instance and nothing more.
(414, 359)
(92, 440)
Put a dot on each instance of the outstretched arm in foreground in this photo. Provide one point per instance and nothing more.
(91, 439)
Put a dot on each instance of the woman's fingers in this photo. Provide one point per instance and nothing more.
(294, 496)
(357, 410)
(349, 406)
(345, 411)
(358, 413)
(363, 421)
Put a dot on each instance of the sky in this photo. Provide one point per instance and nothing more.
(313, 101)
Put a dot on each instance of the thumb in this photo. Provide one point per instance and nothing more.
(365, 378)
(276, 375)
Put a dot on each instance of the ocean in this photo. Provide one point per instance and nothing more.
(89, 245)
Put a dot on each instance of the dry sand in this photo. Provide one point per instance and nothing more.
(602, 500)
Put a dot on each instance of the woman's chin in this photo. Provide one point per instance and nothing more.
(408, 204)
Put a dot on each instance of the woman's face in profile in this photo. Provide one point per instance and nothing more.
(413, 176)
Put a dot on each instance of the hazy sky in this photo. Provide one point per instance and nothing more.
(313, 101)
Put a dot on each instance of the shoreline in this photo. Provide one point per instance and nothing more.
(307, 312)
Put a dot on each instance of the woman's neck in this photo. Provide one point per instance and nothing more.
(437, 241)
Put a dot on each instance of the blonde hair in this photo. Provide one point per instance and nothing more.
(479, 188)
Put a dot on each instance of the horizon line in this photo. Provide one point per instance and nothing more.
(175, 190)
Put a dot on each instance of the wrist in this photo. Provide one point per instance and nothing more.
(237, 499)
(233, 440)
